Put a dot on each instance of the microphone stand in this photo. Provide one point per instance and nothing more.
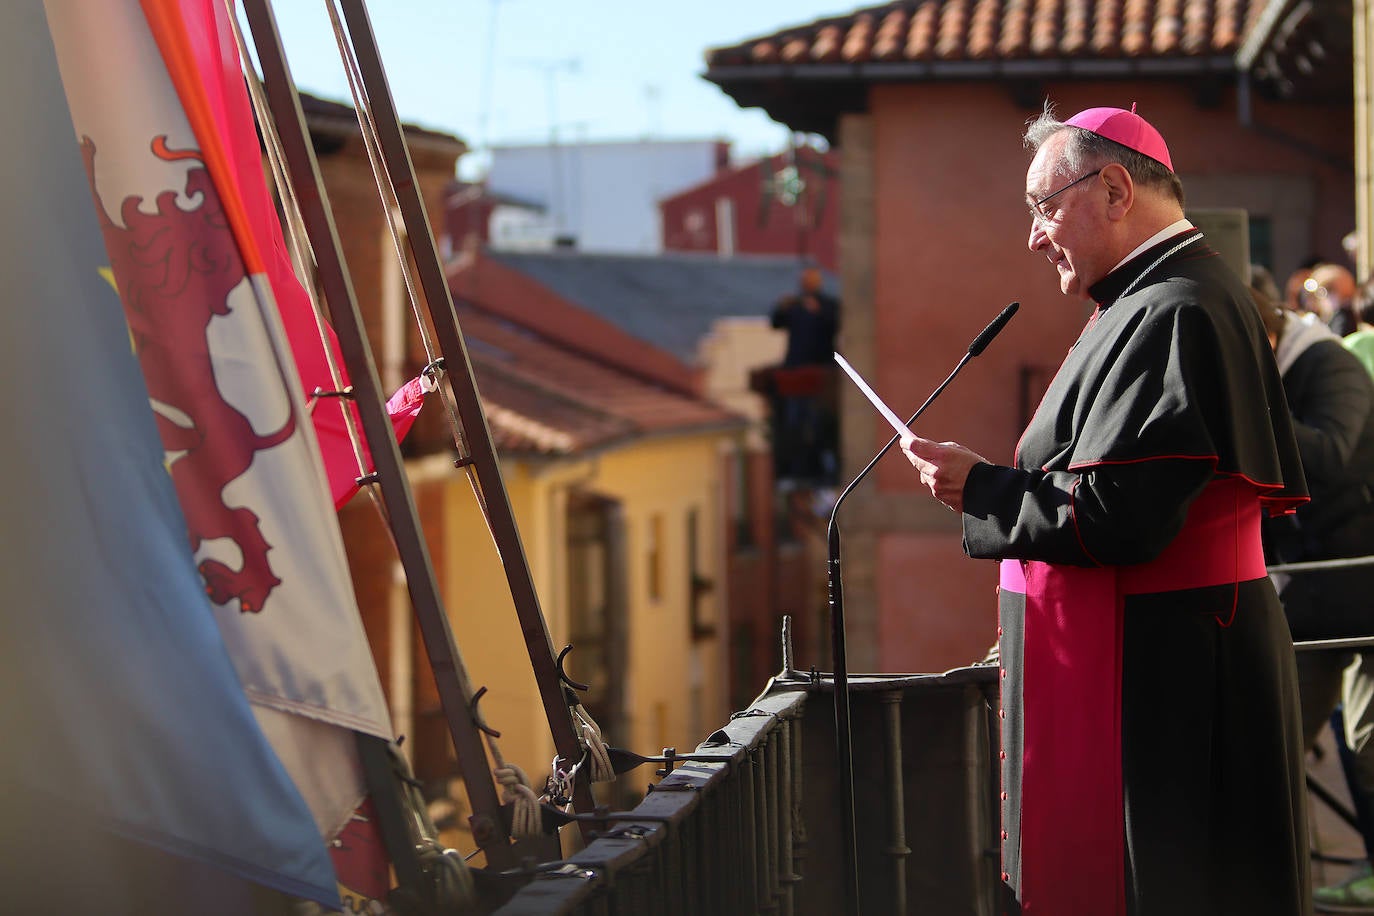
(843, 742)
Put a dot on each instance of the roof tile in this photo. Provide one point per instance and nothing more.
(1106, 28)
(891, 37)
(825, 47)
(1225, 29)
(920, 44)
(950, 41)
(1168, 27)
(1014, 39)
(1077, 27)
(983, 29)
(541, 397)
(858, 43)
(1135, 29)
(1045, 21)
(795, 50)
(1197, 26)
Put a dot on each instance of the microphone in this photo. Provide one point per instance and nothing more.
(980, 343)
(837, 642)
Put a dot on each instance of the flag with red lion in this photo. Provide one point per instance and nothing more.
(225, 337)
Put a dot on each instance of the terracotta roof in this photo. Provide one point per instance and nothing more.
(1005, 30)
(806, 76)
(540, 397)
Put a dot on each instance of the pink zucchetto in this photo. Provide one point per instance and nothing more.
(1127, 128)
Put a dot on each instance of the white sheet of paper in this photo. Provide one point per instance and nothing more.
(892, 419)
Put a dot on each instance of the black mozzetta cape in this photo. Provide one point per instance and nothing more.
(1152, 760)
(1170, 385)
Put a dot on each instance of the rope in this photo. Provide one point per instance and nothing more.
(597, 752)
(367, 126)
(298, 244)
(526, 816)
(453, 888)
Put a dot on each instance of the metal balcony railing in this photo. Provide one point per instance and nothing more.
(759, 831)
(756, 827)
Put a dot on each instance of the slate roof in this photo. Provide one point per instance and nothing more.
(545, 399)
(667, 300)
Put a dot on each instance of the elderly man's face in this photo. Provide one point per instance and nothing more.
(1067, 226)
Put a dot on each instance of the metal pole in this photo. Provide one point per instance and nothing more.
(787, 815)
(1316, 565)
(898, 850)
(843, 743)
(483, 454)
(450, 678)
(392, 818)
(849, 852)
(1354, 642)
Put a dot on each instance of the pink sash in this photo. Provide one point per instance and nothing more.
(1072, 822)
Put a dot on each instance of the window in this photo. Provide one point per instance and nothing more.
(741, 499)
(699, 586)
(654, 537)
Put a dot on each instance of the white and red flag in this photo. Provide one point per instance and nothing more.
(228, 346)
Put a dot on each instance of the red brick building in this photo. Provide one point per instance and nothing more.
(786, 204)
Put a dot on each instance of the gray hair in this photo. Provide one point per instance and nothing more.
(1086, 150)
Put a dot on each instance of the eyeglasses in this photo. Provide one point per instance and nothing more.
(1038, 215)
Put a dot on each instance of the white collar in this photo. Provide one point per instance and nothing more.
(1167, 232)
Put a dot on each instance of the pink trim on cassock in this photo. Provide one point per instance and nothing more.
(1072, 814)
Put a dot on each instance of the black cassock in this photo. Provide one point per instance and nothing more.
(1151, 740)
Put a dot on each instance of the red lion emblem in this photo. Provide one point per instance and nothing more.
(175, 269)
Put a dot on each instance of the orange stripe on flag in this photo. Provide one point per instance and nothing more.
(168, 25)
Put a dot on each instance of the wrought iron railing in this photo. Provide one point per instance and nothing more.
(751, 824)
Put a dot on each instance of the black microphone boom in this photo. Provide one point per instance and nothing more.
(849, 847)
(980, 343)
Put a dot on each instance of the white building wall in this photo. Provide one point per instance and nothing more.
(603, 195)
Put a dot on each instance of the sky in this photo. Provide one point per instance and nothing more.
(514, 72)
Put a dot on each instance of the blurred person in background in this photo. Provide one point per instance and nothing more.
(1293, 292)
(1330, 293)
(1330, 396)
(805, 431)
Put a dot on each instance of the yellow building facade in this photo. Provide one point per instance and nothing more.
(625, 549)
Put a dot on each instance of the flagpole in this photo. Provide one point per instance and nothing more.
(482, 452)
(489, 831)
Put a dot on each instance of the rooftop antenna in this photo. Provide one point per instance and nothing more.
(488, 74)
(653, 94)
(551, 69)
